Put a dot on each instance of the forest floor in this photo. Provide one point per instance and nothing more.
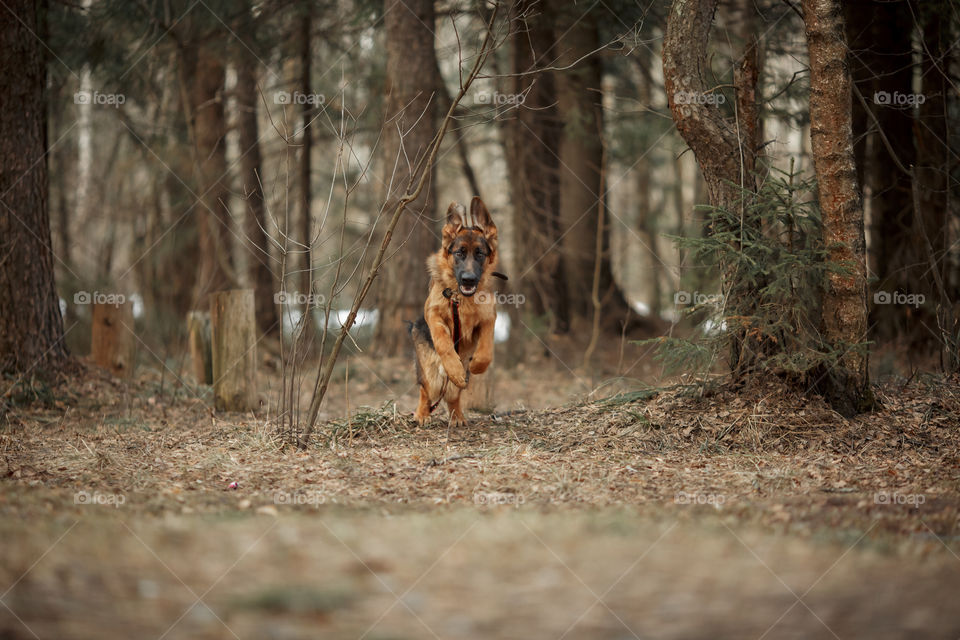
(671, 513)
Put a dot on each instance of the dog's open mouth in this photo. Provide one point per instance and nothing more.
(468, 290)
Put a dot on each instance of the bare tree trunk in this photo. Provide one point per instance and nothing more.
(306, 216)
(898, 258)
(846, 385)
(31, 328)
(410, 108)
(698, 118)
(213, 218)
(533, 147)
(261, 275)
(722, 151)
(932, 220)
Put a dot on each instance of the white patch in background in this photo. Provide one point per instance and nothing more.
(501, 330)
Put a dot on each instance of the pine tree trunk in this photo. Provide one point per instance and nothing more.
(259, 261)
(213, 218)
(846, 385)
(410, 107)
(31, 328)
(533, 146)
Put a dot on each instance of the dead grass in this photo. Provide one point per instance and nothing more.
(739, 484)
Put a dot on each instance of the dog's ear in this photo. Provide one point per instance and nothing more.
(453, 224)
(481, 218)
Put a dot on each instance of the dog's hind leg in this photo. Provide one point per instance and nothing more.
(422, 414)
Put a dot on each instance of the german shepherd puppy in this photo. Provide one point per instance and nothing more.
(454, 338)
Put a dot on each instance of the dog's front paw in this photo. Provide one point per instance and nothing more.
(478, 366)
(457, 419)
(457, 374)
(421, 418)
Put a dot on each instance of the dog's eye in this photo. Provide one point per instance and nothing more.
(480, 255)
(461, 254)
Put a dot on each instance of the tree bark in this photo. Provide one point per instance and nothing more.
(698, 118)
(932, 220)
(724, 150)
(846, 385)
(410, 107)
(198, 339)
(307, 113)
(31, 327)
(212, 216)
(261, 275)
(533, 135)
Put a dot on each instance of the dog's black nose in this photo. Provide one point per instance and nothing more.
(468, 281)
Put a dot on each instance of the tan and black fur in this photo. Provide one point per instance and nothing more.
(463, 267)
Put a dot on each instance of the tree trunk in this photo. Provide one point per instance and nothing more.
(410, 107)
(899, 262)
(533, 145)
(112, 342)
(721, 148)
(307, 113)
(846, 385)
(932, 220)
(198, 339)
(261, 275)
(31, 328)
(212, 215)
(234, 350)
(698, 118)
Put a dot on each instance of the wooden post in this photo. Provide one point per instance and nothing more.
(112, 341)
(198, 335)
(234, 350)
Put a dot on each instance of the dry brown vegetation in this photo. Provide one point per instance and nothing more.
(687, 502)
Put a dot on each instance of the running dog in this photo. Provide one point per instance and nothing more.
(454, 337)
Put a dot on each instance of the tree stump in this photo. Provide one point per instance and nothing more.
(201, 356)
(234, 350)
(479, 393)
(112, 343)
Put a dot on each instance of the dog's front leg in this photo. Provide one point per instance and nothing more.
(443, 343)
(483, 356)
